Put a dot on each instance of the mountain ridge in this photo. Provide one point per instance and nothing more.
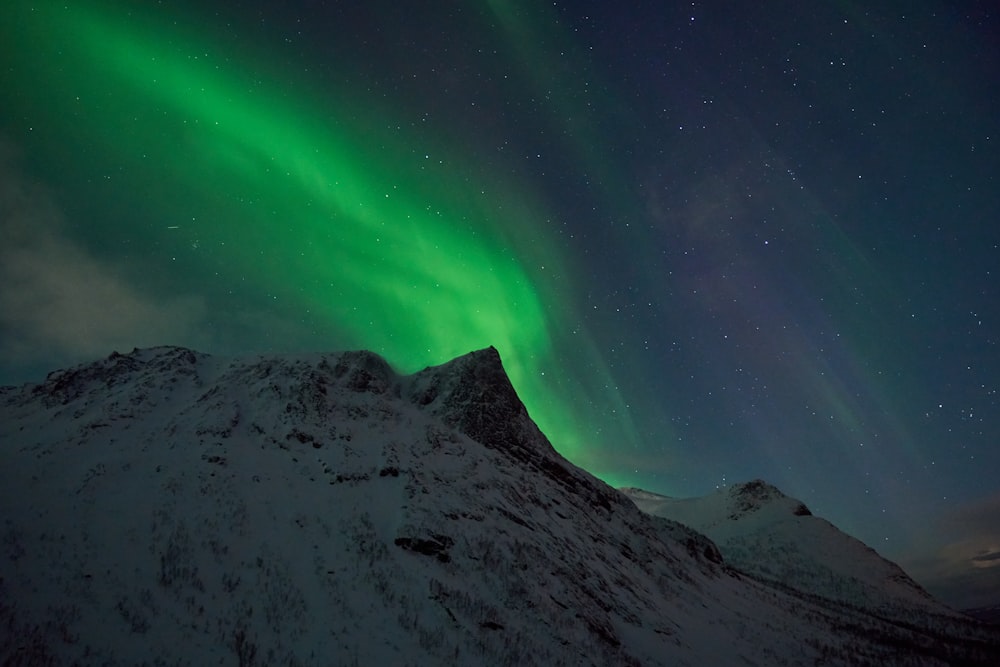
(171, 507)
(764, 532)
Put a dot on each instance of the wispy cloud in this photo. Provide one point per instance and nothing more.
(58, 301)
(962, 565)
(987, 558)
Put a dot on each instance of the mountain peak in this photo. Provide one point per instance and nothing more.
(753, 495)
(65, 386)
(775, 537)
(473, 394)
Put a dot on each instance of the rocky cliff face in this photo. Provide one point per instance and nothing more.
(168, 507)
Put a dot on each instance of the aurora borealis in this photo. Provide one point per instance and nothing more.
(390, 248)
(709, 244)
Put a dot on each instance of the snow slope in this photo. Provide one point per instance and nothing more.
(165, 507)
(772, 536)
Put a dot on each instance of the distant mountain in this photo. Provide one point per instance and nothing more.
(776, 538)
(165, 507)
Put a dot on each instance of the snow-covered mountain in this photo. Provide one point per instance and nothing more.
(774, 537)
(166, 507)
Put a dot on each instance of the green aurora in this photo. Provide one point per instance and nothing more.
(316, 198)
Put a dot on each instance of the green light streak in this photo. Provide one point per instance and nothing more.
(554, 66)
(391, 247)
(560, 72)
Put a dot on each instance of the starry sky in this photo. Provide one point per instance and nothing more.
(711, 241)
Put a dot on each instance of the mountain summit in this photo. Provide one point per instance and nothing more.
(170, 507)
(769, 535)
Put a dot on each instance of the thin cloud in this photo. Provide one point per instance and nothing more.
(962, 567)
(58, 302)
(988, 558)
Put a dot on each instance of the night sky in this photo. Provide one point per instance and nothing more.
(712, 241)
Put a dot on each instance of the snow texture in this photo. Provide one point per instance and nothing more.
(165, 507)
(776, 538)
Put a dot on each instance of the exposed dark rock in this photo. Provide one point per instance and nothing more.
(433, 545)
(364, 371)
(801, 510)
